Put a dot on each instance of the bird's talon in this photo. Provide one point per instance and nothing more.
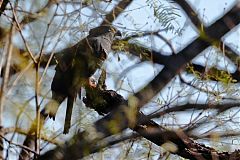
(92, 82)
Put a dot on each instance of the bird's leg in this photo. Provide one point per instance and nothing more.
(101, 81)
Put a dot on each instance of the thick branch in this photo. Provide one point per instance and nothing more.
(147, 128)
(3, 6)
(174, 65)
(109, 18)
(227, 51)
(117, 10)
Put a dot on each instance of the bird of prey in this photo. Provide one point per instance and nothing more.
(76, 66)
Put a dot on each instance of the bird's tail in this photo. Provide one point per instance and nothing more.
(50, 109)
(67, 123)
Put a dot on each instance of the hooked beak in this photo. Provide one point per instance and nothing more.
(118, 33)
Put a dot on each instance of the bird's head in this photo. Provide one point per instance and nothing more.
(101, 39)
(101, 30)
(116, 32)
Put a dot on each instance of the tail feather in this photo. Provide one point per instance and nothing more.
(68, 116)
(50, 109)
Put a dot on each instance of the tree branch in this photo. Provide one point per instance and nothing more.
(116, 11)
(3, 6)
(227, 51)
(173, 67)
(145, 127)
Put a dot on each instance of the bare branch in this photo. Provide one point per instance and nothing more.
(117, 10)
(227, 51)
(3, 6)
(172, 68)
(145, 127)
(20, 31)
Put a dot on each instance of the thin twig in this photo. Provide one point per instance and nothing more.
(20, 31)
(5, 81)
(19, 145)
(3, 6)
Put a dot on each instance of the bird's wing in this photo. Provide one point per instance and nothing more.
(66, 60)
(79, 78)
